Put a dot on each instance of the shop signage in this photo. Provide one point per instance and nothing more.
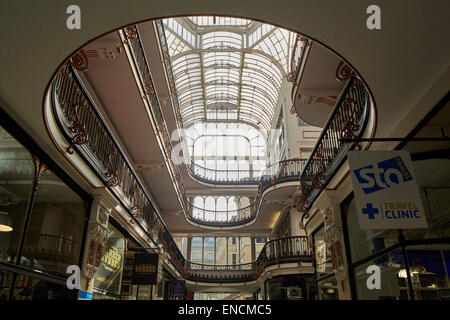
(84, 295)
(108, 276)
(145, 269)
(386, 191)
(177, 288)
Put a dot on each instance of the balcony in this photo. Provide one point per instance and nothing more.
(275, 252)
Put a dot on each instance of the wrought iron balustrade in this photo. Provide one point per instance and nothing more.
(283, 171)
(221, 177)
(84, 128)
(45, 246)
(348, 119)
(277, 251)
(298, 56)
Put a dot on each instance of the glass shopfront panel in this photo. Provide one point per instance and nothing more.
(55, 233)
(433, 178)
(364, 243)
(393, 282)
(429, 271)
(28, 288)
(5, 284)
(108, 278)
(52, 237)
(328, 289)
(16, 183)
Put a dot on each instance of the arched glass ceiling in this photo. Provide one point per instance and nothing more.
(228, 62)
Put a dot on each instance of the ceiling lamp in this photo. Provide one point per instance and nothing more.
(5, 222)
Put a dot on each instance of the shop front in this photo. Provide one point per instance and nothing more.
(42, 217)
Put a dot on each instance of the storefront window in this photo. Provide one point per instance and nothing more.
(364, 243)
(28, 288)
(393, 282)
(429, 271)
(55, 233)
(433, 179)
(16, 183)
(328, 289)
(5, 284)
(108, 278)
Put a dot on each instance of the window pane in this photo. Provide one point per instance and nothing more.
(196, 250)
(364, 243)
(5, 284)
(27, 288)
(433, 178)
(109, 275)
(208, 255)
(54, 237)
(16, 182)
(245, 250)
(393, 282)
(221, 255)
(429, 276)
(328, 289)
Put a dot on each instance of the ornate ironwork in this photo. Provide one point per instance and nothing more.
(343, 71)
(113, 180)
(79, 61)
(78, 129)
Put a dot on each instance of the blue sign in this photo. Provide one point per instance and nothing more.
(386, 191)
(84, 295)
(177, 288)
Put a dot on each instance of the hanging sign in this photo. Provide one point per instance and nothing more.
(177, 288)
(386, 191)
(145, 269)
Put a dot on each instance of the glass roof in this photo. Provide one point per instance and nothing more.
(222, 62)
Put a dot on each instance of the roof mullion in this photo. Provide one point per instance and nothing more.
(241, 69)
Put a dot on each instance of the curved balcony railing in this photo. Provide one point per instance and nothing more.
(298, 55)
(222, 217)
(83, 127)
(347, 120)
(274, 252)
(224, 177)
(283, 171)
(45, 246)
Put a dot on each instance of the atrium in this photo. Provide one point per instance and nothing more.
(174, 153)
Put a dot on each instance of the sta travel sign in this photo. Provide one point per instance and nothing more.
(386, 192)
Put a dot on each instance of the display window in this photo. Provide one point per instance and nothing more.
(108, 279)
(41, 224)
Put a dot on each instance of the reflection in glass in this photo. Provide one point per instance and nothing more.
(108, 278)
(364, 243)
(27, 288)
(16, 183)
(54, 237)
(328, 289)
(428, 271)
(393, 286)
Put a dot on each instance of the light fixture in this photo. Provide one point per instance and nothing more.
(402, 273)
(5, 222)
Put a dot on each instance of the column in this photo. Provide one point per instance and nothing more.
(295, 218)
(334, 238)
(253, 248)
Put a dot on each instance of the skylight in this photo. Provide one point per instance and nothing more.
(234, 64)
